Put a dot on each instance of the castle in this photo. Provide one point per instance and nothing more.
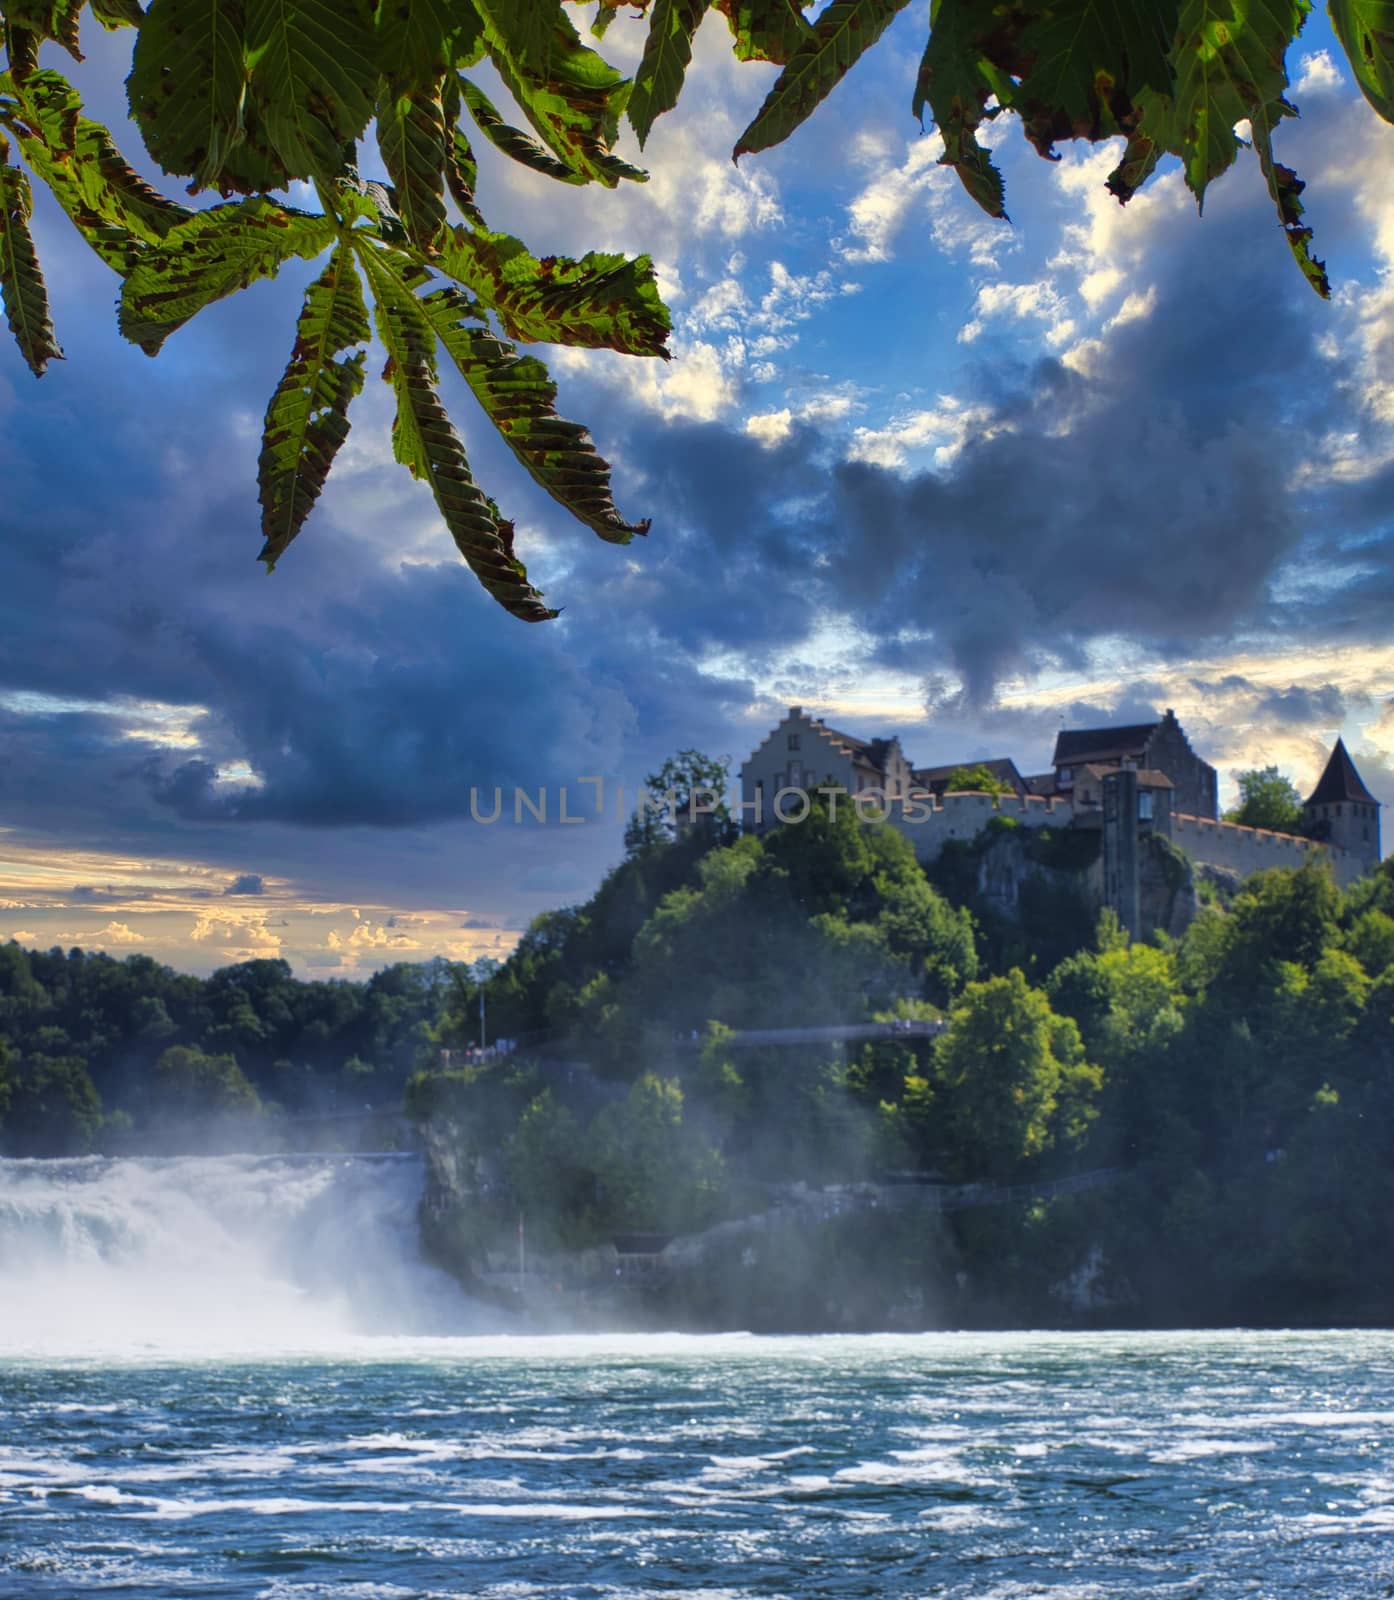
(1127, 782)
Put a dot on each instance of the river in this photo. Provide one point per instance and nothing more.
(231, 1377)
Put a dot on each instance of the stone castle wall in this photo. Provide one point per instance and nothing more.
(930, 824)
(1245, 850)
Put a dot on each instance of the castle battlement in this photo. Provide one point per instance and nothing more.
(804, 754)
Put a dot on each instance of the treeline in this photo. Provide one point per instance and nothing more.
(105, 1054)
(1242, 1075)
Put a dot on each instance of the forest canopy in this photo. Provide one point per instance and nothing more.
(375, 118)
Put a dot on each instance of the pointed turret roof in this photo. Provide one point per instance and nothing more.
(1340, 781)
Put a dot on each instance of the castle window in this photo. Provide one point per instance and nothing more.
(1144, 806)
(1066, 774)
(793, 741)
(1338, 808)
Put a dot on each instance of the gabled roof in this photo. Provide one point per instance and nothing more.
(1075, 746)
(1147, 778)
(1042, 783)
(1003, 768)
(873, 751)
(849, 739)
(1340, 781)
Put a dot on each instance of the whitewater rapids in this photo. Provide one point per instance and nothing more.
(232, 1254)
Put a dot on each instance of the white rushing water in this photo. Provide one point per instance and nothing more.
(215, 1253)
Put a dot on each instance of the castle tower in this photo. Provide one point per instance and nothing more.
(1342, 811)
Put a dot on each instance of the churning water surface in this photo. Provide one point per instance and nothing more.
(174, 1441)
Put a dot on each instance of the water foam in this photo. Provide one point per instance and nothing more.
(215, 1254)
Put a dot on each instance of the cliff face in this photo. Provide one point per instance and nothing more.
(1015, 864)
(1016, 868)
(453, 1232)
(1167, 887)
(849, 1259)
(852, 1258)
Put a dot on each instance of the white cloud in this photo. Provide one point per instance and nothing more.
(723, 306)
(697, 193)
(1139, 304)
(770, 427)
(1019, 302)
(1318, 74)
(944, 431)
(917, 182)
(697, 383)
(367, 937)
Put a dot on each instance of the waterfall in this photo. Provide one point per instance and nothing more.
(222, 1253)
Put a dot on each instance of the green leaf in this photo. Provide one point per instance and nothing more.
(521, 147)
(570, 95)
(307, 419)
(113, 14)
(411, 137)
(605, 14)
(1089, 60)
(424, 440)
(837, 39)
(765, 30)
(525, 30)
(461, 168)
(314, 78)
(420, 40)
(667, 52)
(187, 84)
(21, 281)
(212, 255)
(1229, 64)
(1142, 152)
(22, 52)
(954, 83)
(109, 203)
(602, 301)
(1285, 186)
(48, 19)
(1366, 31)
(519, 397)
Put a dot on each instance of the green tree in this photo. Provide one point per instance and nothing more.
(1370, 940)
(54, 1109)
(1010, 1079)
(652, 1170)
(189, 1085)
(544, 1160)
(976, 780)
(6, 1082)
(688, 792)
(1267, 799)
(255, 99)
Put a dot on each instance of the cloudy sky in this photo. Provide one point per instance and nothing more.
(925, 473)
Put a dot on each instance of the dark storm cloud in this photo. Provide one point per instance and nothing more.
(1150, 495)
(1323, 705)
(246, 883)
(1149, 498)
(357, 694)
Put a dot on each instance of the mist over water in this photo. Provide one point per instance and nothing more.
(208, 1254)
